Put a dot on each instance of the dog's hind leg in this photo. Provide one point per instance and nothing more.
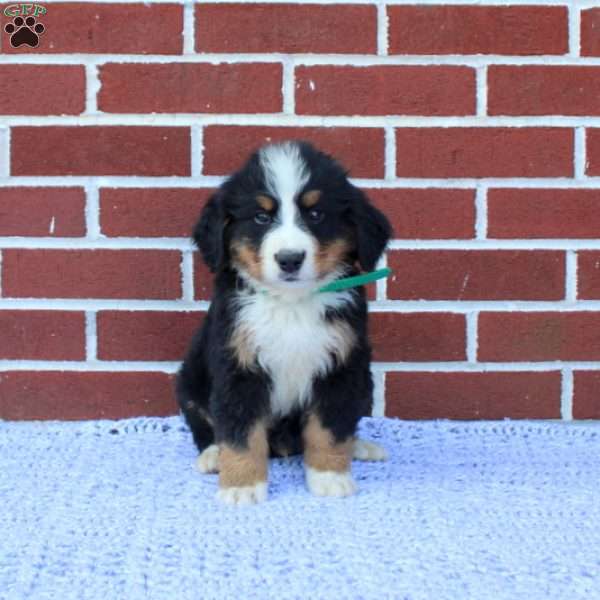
(193, 389)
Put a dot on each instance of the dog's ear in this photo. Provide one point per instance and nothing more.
(373, 230)
(209, 230)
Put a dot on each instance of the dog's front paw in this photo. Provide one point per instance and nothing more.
(329, 483)
(363, 450)
(250, 494)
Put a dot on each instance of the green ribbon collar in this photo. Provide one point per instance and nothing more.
(349, 282)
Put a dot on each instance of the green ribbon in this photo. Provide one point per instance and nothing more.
(348, 282)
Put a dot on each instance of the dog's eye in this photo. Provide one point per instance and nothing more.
(315, 216)
(262, 218)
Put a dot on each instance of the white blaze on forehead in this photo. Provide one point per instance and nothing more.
(285, 175)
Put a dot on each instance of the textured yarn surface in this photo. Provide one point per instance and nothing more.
(116, 511)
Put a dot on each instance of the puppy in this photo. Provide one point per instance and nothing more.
(278, 368)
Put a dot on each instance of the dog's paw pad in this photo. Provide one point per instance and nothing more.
(329, 483)
(364, 450)
(208, 461)
(238, 496)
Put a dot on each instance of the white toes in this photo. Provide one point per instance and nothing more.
(252, 494)
(329, 483)
(364, 450)
(208, 461)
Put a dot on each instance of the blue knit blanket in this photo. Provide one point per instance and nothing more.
(116, 511)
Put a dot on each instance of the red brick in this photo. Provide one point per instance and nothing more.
(472, 396)
(417, 337)
(543, 213)
(74, 395)
(153, 151)
(119, 28)
(289, 28)
(593, 152)
(539, 336)
(371, 290)
(586, 395)
(484, 152)
(427, 213)
(385, 90)
(360, 150)
(543, 90)
(590, 28)
(150, 212)
(42, 211)
(511, 30)
(588, 275)
(42, 89)
(145, 335)
(203, 279)
(191, 88)
(42, 335)
(476, 275)
(152, 274)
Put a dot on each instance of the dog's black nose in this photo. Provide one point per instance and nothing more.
(290, 261)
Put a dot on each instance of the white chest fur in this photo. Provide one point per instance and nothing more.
(291, 340)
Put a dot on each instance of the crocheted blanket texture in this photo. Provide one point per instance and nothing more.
(114, 510)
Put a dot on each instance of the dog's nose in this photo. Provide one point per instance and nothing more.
(290, 261)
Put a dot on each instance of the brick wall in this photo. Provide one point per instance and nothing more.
(474, 125)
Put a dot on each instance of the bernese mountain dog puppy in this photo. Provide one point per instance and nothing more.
(278, 368)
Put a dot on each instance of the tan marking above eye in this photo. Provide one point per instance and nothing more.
(265, 202)
(309, 199)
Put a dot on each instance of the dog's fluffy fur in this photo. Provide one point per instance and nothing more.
(277, 368)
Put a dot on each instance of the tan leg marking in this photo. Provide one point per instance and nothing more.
(321, 452)
(243, 473)
(327, 462)
(247, 466)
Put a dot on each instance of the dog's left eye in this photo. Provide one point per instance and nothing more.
(315, 216)
(262, 218)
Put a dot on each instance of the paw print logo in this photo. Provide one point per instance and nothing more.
(24, 31)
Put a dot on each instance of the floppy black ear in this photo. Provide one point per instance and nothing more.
(373, 230)
(208, 232)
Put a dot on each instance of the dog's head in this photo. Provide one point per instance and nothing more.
(290, 219)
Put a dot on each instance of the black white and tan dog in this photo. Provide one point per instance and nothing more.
(277, 367)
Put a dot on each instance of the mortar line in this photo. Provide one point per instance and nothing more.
(571, 276)
(91, 336)
(189, 27)
(566, 398)
(481, 75)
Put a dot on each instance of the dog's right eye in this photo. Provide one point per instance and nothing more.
(262, 218)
